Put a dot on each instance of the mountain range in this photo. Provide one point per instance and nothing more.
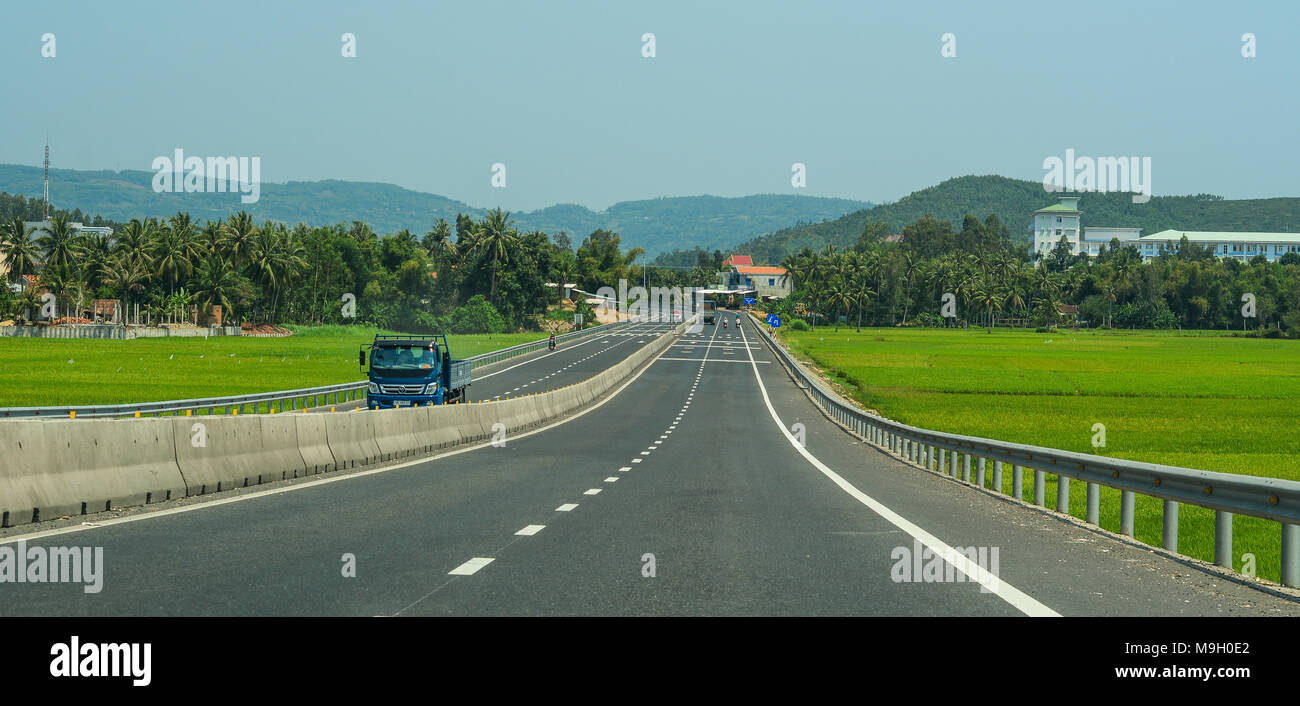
(1015, 200)
(658, 225)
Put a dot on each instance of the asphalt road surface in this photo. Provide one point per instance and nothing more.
(685, 492)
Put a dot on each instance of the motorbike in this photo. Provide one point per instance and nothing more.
(551, 344)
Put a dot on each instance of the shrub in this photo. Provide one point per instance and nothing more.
(799, 325)
(477, 316)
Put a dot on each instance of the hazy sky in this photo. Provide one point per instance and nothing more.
(737, 92)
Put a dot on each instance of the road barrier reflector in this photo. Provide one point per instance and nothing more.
(72, 414)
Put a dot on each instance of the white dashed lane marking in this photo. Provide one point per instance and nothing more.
(530, 530)
(471, 567)
(567, 507)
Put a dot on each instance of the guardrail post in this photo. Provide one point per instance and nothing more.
(943, 460)
(952, 465)
(1223, 539)
(1094, 504)
(1291, 555)
(1062, 494)
(979, 472)
(1170, 538)
(1126, 503)
(1040, 488)
(997, 476)
(925, 455)
(965, 467)
(934, 460)
(1018, 481)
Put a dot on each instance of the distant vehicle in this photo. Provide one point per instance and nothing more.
(710, 311)
(410, 370)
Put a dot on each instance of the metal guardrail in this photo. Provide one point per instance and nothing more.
(319, 396)
(1227, 494)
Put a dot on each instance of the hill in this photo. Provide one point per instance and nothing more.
(658, 225)
(1015, 200)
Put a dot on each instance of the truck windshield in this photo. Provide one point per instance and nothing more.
(404, 358)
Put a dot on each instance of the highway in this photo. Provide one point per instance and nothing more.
(685, 492)
(570, 362)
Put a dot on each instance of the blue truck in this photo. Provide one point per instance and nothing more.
(408, 370)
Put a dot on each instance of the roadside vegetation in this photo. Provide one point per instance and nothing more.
(1205, 401)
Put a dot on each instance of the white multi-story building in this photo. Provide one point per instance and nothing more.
(1065, 220)
(1240, 246)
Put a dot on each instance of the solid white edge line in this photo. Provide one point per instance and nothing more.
(1013, 596)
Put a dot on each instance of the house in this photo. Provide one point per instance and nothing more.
(743, 278)
(1065, 220)
(1225, 244)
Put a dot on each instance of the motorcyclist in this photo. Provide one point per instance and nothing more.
(551, 342)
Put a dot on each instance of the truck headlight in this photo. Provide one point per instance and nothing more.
(372, 387)
(431, 388)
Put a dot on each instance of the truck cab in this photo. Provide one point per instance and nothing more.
(405, 371)
(710, 311)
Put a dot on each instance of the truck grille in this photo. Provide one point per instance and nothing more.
(401, 389)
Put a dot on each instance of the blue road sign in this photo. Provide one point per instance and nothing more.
(769, 319)
(776, 322)
(749, 301)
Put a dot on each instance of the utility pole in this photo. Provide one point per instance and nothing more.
(47, 178)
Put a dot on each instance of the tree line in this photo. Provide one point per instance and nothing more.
(471, 276)
(878, 282)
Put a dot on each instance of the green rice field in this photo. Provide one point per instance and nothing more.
(1204, 401)
(36, 372)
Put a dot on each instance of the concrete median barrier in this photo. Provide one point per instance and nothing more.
(439, 429)
(219, 452)
(281, 454)
(395, 431)
(52, 468)
(351, 438)
(313, 443)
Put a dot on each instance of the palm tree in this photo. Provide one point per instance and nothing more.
(174, 250)
(276, 258)
(839, 296)
(216, 282)
(495, 238)
(19, 250)
(128, 275)
(1111, 293)
(862, 293)
(210, 239)
(438, 242)
(238, 232)
(986, 294)
(911, 268)
(59, 243)
(136, 240)
(96, 256)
